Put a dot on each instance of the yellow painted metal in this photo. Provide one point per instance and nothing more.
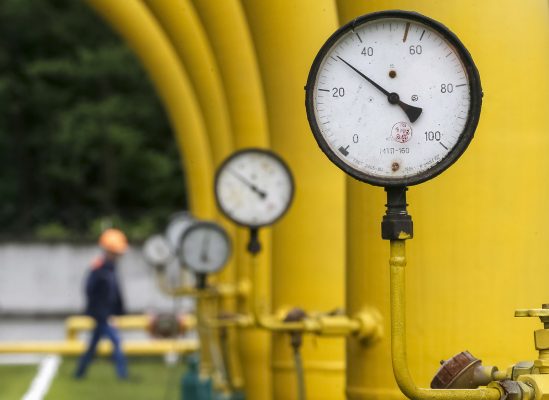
(184, 30)
(397, 262)
(133, 21)
(479, 226)
(229, 37)
(77, 347)
(307, 253)
(78, 323)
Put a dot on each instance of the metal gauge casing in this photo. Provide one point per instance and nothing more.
(393, 98)
(157, 251)
(254, 187)
(205, 248)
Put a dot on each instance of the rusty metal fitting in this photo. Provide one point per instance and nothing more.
(296, 314)
(463, 371)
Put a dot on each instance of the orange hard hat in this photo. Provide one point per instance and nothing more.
(114, 240)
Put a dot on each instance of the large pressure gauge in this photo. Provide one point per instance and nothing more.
(205, 248)
(254, 187)
(393, 98)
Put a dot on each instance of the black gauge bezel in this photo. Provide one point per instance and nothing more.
(276, 158)
(205, 225)
(470, 125)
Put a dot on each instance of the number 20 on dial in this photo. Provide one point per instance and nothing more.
(393, 98)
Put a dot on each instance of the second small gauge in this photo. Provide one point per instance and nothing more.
(254, 187)
(205, 248)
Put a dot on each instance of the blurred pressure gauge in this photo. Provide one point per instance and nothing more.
(254, 187)
(157, 251)
(205, 248)
(393, 98)
(179, 223)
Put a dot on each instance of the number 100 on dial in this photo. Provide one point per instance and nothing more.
(393, 98)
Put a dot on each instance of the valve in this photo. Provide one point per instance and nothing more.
(541, 336)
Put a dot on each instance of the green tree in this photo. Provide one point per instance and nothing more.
(83, 136)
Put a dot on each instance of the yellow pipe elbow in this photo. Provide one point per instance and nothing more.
(398, 340)
(134, 22)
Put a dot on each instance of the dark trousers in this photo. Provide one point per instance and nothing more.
(103, 328)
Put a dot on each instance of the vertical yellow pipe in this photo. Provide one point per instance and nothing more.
(135, 24)
(480, 225)
(229, 36)
(184, 29)
(307, 260)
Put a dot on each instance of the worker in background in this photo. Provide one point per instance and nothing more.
(104, 300)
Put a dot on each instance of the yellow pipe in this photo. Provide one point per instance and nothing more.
(134, 22)
(308, 244)
(78, 323)
(366, 324)
(184, 29)
(76, 347)
(233, 48)
(472, 216)
(404, 380)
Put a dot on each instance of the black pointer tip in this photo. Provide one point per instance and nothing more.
(413, 113)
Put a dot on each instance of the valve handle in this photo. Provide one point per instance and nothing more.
(532, 312)
(541, 313)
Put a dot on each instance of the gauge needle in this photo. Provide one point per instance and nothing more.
(204, 253)
(245, 181)
(412, 112)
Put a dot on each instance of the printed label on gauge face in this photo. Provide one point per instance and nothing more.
(391, 98)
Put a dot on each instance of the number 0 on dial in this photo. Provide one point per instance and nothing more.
(393, 98)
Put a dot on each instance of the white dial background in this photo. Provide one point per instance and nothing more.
(359, 124)
(204, 249)
(157, 251)
(254, 188)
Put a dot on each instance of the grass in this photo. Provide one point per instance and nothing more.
(15, 380)
(150, 379)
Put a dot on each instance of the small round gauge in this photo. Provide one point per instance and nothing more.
(157, 251)
(254, 187)
(393, 98)
(179, 223)
(205, 248)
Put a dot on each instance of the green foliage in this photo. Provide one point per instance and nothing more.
(83, 136)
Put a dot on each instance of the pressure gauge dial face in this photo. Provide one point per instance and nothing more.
(393, 98)
(179, 223)
(254, 187)
(205, 248)
(157, 251)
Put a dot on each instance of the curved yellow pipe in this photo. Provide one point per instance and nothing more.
(232, 45)
(134, 22)
(403, 378)
(308, 243)
(183, 27)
